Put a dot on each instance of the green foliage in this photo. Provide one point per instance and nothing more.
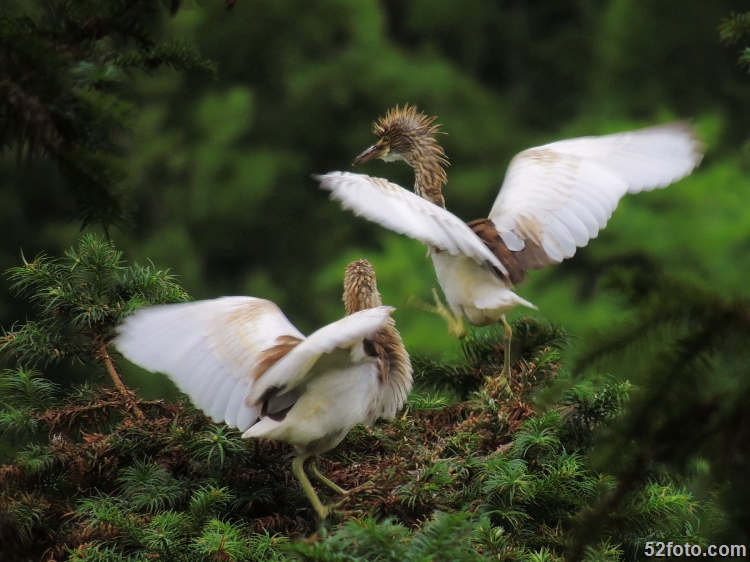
(735, 29)
(446, 536)
(483, 477)
(535, 342)
(215, 444)
(219, 172)
(133, 490)
(148, 487)
(426, 402)
(688, 348)
(26, 388)
(176, 535)
(16, 424)
(62, 89)
(80, 299)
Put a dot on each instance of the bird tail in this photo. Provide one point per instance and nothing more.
(496, 305)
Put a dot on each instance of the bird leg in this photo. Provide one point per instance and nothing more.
(456, 325)
(505, 374)
(298, 468)
(332, 485)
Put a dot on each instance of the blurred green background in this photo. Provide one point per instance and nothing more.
(220, 186)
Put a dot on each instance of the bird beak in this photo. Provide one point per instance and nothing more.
(377, 150)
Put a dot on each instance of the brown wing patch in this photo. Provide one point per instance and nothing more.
(485, 229)
(268, 357)
(517, 263)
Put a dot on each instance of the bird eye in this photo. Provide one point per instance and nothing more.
(386, 140)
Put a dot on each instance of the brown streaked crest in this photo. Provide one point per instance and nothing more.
(408, 130)
(405, 119)
(360, 287)
(405, 134)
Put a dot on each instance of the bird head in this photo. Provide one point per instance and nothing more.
(404, 134)
(360, 287)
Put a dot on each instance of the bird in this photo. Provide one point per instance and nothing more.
(553, 200)
(241, 361)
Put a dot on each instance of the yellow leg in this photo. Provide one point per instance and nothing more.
(456, 325)
(332, 485)
(298, 468)
(506, 351)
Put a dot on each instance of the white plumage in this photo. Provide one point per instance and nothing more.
(561, 194)
(554, 199)
(243, 363)
(400, 210)
(557, 197)
(213, 349)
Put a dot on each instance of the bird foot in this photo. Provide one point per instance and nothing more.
(505, 382)
(353, 492)
(332, 485)
(456, 326)
(361, 488)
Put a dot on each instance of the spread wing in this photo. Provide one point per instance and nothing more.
(558, 196)
(292, 369)
(404, 212)
(214, 350)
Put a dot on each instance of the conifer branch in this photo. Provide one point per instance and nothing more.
(128, 395)
(481, 477)
(62, 96)
(734, 29)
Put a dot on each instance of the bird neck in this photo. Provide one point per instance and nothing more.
(361, 298)
(429, 174)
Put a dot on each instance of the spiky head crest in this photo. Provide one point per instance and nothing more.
(405, 127)
(405, 120)
(410, 134)
(360, 287)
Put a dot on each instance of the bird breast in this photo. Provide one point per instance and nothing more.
(333, 400)
(473, 290)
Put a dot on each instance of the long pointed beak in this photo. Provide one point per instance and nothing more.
(375, 151)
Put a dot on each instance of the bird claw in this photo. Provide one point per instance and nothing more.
(362, 487)
(353, 492)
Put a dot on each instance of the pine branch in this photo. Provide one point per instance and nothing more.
(80, 299)
(693, 390)
(176, 55)
(485, 478)
(62, 90)
(734, 28)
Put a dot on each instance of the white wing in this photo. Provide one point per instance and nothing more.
(559, 195)
(289, 371)
(210, 349)
(404, 212)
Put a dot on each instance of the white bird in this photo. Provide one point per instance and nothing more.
(553, 200)
(242, 362)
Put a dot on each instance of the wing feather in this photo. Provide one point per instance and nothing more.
(210, 349)
(560, 195)
(404, 212)
(289, 371)
(236, 403)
